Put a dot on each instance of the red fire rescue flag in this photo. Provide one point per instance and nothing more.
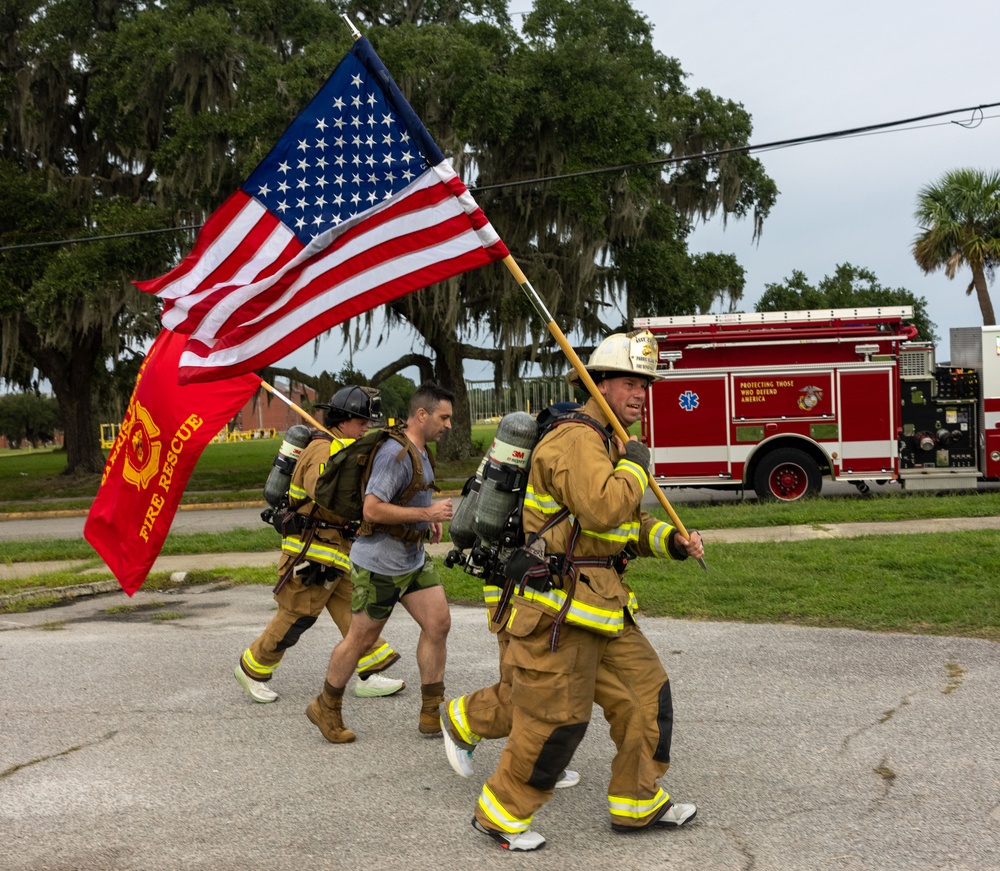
(164, 432)
(354, 207)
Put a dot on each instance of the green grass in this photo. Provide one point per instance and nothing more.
(256, 540)
(892, 504)
(942, 585)
(229, 471)
(918, 583)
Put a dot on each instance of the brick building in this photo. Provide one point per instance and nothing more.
(265, 412)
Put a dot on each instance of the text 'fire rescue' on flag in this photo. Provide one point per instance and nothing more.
(165, 430)
(354, 207)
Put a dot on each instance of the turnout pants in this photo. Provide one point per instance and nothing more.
(552, 696)
(486, 713)
(298, 608)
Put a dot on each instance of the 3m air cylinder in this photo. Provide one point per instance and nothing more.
(505, 474)
(463, 524)
(276, 486)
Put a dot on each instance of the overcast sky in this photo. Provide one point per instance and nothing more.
(803, 68)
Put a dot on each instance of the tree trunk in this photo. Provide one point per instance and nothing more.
(983, 295)
(448, 372)
(70, 377)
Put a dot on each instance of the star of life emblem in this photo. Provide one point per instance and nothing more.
(688, 400)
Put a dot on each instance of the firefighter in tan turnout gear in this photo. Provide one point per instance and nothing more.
(573, 638)
(315, 558)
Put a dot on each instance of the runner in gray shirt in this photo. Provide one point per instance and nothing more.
(380, 552)
(390, 566)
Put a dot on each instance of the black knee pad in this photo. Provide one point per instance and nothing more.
(294, 633)
(665, 723)
(555, 755)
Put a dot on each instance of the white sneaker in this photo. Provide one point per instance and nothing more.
(460, 759)
(256, 689)
(672, 816)
(528, 840)
(567, 779)
(375, 685)
(677, 815)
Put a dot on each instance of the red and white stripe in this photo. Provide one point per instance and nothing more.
(249, 293)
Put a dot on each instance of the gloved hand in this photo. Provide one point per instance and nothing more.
(638, 453)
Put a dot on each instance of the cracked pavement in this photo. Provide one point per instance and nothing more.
(128, 745)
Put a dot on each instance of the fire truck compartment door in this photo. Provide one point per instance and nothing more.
(866, 411)
(992, 453)
(690, 432)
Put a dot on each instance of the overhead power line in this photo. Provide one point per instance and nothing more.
(976, 117)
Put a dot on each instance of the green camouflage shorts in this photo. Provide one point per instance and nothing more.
(377, 594)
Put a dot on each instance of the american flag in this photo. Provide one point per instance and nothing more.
(354, 207)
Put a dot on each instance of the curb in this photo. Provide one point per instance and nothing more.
(77, 591)
(178, 574)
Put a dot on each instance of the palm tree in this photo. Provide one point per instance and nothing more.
(960, 222)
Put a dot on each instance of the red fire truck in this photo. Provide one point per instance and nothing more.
(778, 401)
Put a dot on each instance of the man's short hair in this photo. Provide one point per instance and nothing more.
(429, 396)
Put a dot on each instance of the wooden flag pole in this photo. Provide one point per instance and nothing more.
(588, 382)
(300, 411)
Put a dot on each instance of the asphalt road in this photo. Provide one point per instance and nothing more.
(126, 744)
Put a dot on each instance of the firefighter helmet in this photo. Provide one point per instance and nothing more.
(620, 354)
(350, 402)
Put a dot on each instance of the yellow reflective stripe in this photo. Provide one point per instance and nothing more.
(253, 665)
(297, 493)
(545, 504)
(634, 469)
(659, 536)
(633, 603)
(337, 445)
(318, 552)
(541, 502)
(491, 595)
(621, 535)
(606, 620)
(377, 657)
(499, 816)
(459, 718)
(635, 808)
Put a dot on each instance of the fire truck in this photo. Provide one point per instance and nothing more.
(778, 402)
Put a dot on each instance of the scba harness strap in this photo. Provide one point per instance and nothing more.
(524, 568)
(416, 485)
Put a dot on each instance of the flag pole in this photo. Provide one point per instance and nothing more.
(588, 382)
(300, 411)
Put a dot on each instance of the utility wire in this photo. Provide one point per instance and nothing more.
(977, 117)
(100, 238)
(764, 146)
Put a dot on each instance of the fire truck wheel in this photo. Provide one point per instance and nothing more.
(786, 474)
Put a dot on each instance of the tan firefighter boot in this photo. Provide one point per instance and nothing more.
(324, 713)
(432, 694)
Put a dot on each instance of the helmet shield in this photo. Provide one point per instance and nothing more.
(620, 354)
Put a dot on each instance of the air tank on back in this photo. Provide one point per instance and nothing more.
(505, 474)
(295, 441)
(463, 525)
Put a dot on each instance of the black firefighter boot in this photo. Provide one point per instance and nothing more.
(324, 713)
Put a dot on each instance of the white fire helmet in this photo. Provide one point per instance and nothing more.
(619, 354)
